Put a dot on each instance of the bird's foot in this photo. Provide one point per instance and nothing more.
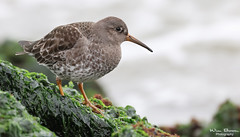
(95, 109)
(86, 101)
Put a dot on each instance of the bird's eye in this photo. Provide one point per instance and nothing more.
(119, 29)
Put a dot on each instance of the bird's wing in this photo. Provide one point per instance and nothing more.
(47, 50)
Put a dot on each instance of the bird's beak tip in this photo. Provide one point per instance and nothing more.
(136, 41)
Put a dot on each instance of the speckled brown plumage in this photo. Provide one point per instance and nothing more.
(81, 51)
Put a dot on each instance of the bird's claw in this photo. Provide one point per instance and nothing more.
(95, 109)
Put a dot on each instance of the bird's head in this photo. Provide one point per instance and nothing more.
(115, 31)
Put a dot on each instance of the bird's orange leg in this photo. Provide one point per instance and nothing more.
(59, 83)
(86, 101)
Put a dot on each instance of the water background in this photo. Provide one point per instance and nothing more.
(195, 65)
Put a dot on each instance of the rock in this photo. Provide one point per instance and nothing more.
(66, 115)
(16, 121)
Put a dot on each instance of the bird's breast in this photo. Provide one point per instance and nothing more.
(89, 65)
(104, 60)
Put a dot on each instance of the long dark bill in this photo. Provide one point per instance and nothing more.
(134, 40)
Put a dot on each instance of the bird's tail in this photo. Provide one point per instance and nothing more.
(26, 45)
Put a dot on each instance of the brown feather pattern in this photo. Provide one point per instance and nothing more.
(47, 50)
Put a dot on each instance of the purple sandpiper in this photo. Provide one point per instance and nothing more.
(82, 51)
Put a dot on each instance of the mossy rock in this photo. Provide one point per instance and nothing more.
(66, 115)
(16, 121)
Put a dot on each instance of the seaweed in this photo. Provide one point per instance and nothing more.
(16, 121)
(66, 115)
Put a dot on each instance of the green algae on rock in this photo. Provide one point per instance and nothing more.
(66, 115)
(16, 121)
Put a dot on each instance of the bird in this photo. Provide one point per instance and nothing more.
(81, 51)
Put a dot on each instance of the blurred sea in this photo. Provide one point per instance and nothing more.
(195, 65)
